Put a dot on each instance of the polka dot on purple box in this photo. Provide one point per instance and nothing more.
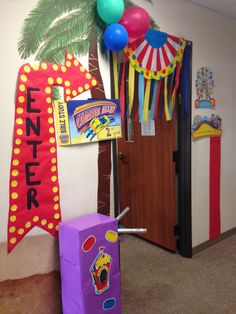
(109, 304)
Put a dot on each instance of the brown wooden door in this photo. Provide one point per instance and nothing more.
(146, 174)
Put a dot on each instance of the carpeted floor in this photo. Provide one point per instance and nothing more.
(153, 282)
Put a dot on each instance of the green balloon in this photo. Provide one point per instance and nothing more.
(110, 11)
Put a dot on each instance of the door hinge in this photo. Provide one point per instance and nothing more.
(176, 230)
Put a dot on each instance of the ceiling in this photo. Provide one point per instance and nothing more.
(223, 7)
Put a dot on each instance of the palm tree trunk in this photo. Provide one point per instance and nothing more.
(104, 151)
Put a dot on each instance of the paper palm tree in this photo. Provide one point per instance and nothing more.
(58, 25)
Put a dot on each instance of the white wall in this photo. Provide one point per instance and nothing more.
(77, 165)
(213, 45)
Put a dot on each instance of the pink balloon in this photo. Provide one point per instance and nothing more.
(136, 20)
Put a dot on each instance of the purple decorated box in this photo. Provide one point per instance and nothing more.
(90, 271)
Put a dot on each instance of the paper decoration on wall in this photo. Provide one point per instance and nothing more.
(34, 188)
(156, 56)
(206, 126)
(90, 278)
(204, 87)
(85, 121)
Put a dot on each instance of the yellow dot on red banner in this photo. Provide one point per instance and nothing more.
(19, 110)
(68, 91)
(15, 162)
(50, 120)
(15, 173)
(13, 218)
(53, 160)
(13, 240)
(69, 56)
(55, 189)
(56, 198)
(74, 92)
(94, 82)
(52, 150)
(51, 130)
(36, 218)
(18, 141)
(44, 66)
(28, 224)
(12, 229)
(54, 178)
(59, 80)
(19, 121)
(67, 83)
(50, 80)
(52, 140)
(43, 222)
(57, 216)
(56, 206)
(19, 131)
(14, 183)
(27, 69)
(88, 76)
(35, 66)
(55, 67)
(23, 77)
(86, 86)
(50, 226)
(76, 63)
(82, 69)
(22, 87)
(68, 64)
(21, 231)
(16, 151)
(48, 90)
(50, 110)
(53, 168)
(63, 69)
(68, 98)
(14, 195)
(14, 208)
(80, 89)
(21, 99)
(48, 100)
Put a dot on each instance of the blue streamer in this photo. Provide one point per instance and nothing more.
(141, 96)
(153, 105)
(186, 80)
(170, 97)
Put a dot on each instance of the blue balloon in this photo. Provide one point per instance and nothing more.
(115, 37)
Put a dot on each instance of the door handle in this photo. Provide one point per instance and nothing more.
(122, 157)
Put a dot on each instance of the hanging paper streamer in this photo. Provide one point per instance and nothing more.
(122, 90)
(141, 96)
(146, 101)
(155, 56)
(167, 113)
(204, 87)
(158, 99)
(34, 188)
(154, 95)
(215, 157)
(115, 74)
(131, 88)
(178, 68)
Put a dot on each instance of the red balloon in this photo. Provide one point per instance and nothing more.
(136, 20)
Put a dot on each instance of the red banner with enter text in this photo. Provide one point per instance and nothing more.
(34, 189)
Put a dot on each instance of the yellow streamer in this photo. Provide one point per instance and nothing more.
(146, 101)
(168, 118)
(131, 87)
(115, 74)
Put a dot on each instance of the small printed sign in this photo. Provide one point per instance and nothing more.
(85, 121)
(148, 128)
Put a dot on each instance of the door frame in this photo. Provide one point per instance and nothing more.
(183, 229)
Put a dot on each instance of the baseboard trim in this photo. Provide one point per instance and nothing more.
(205, 245)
